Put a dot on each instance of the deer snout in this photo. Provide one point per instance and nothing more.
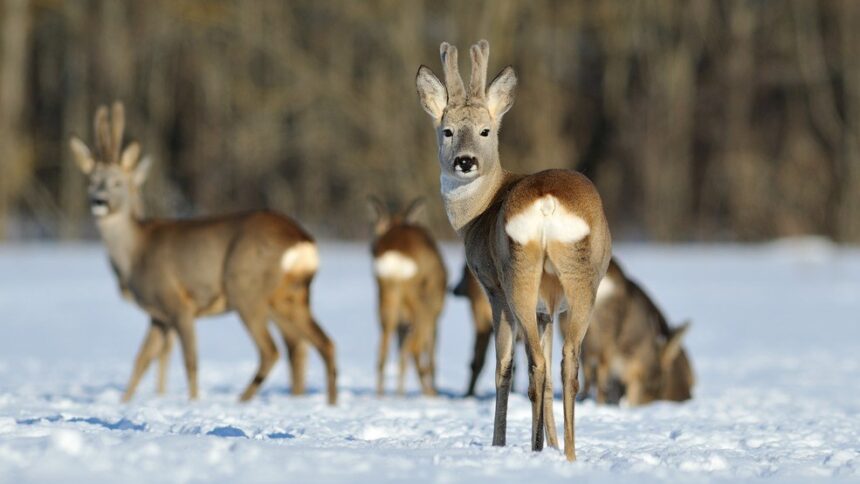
(465, 163)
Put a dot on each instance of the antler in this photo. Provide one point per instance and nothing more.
(480, 55)
(109, 130)
(453, 81)
(118, 126)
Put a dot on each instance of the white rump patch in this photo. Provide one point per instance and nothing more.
(394, 265)
(301, 258)
(546, 220)
(605, 289)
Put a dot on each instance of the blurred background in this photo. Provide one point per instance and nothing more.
(698, 120)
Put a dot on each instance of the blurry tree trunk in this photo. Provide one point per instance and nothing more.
(15, 149)
(848, 215)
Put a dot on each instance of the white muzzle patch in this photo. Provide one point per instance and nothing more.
(395, 265)
(301, 258)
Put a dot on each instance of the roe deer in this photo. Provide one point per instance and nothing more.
(259, 264)
(411, 278)
(629, 342)
(482, 318)
(539, 244)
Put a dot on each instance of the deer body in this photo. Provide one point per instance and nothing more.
(411, 279)
(629, 342)
(259, 264)
(538, 244)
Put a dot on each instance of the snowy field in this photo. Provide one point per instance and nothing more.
(775, 344)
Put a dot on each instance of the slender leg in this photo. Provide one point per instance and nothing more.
(256, 323)
(505, 330)
(164, 361)
(188, 342)
(299, 315)
(388, 322)
(521, 291)
(545, 327)
(406, 336)
(580, 294)
(297, 352)
(149, 348)
(479, 356)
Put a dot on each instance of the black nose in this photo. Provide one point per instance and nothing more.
(465, 163)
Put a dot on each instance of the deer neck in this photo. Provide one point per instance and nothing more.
(466, 200)
(122, 234)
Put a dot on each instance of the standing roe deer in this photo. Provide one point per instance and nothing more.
(539, 244)
(259, 264)
(411, 278)
(629, 342)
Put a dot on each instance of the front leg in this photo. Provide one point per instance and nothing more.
(149, 348)
(188, 341)
(505, 330)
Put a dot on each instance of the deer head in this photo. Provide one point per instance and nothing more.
(467, 122)
(115, 175)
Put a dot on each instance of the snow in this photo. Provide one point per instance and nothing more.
(774, 344)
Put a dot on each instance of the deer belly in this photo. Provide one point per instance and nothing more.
(544, 221)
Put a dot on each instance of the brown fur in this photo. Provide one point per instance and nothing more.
(410, 306)
(178, 270)
(630, 342)
(480, 199)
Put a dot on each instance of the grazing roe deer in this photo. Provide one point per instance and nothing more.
(259, 264)
(412, 279)
(629, 342)
(539, 244)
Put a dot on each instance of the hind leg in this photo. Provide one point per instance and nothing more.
(297, 356)
(545, 327)
(255, 320)
(296, 312)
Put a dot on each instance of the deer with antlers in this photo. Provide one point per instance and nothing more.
(411, 278)
(538, 244)
(259, 264)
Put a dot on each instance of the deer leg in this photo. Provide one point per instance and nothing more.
(545, 327)
(299, 315)
(405, 337)
(388, 322)
(479, 356)
(256, 323)
(297, 353)
(504, 329)
(152, 342)
(164, 360)
(422, 350)
(522, 295)
(580, 295)
(188, 341)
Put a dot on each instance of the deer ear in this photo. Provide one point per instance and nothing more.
(501, 93)
(673, 344)
(431, 92)
(413, 211)
(141, 171)
(83, 157)
(129, 157)
(377, 208)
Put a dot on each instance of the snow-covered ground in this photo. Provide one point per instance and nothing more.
(775, 345)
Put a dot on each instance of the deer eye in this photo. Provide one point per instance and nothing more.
(447, 132)
(485, 132)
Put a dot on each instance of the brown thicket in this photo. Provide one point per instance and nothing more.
(699, 119)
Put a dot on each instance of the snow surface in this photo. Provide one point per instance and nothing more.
(774, 344)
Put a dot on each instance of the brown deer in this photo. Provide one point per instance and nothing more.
(629, 342)
(412, 279)
(539, 244)
(259, 264)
